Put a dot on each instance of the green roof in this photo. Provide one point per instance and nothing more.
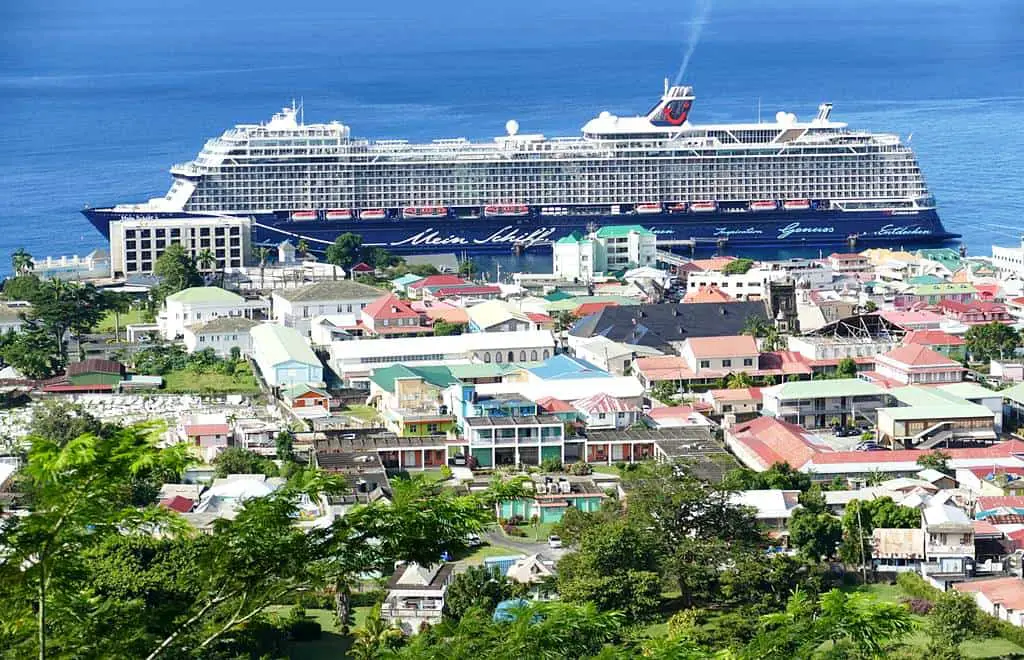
(1015, 393)
(925, 279)
(437, 376)
(618, 231)
(557, 295)
(574, 237)
(946, 411)
(944, 287)
(916, 395)
(814, 389)
(968, 390)
(279, 344)
(299, 389)
(573, 302)
(198, 295)
(948, 257)
(406, 280)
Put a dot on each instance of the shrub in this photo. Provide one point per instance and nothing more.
(551, 465)
(304, 630)
(366, 598)
(918, 605)
(446, 472)
(580, 469)
(512, 530)
(914, 586)
(516, 520)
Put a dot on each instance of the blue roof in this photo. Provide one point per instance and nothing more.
(505, 611)
(406, 280)
(560, 367)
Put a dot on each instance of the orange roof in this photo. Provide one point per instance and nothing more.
(670, 412)
(718, 347)
(539, 318)
(437, 280)
(1008, 592)
(839, 256)
(714, 263)
(933, 338)
(783, 362)
(775, 441)
(988, 502)
(550, 404)
(917, 355)
(707, 294)
(987, 291)
(389, 306)
(206, 429)
(998, 450)
(586, 309)
(740, 394)
(986, 528)
(448, 314)
(664, 367)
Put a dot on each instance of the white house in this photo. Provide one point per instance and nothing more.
(721, 354)
(221, 334)
(612, 356)
(604, 412)
(577, 257)
(284, 357)
(416, 595)
(200, 304)
(10, 316)
(1001, 597)
(295, 308)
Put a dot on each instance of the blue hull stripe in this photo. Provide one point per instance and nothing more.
(769, 229)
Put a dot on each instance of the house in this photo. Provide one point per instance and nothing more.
(913, 364)
(858, 336)
(722, 355)
(399, 284)
(665, 326)
(497, 316)
(11, 316)
(749, 285)
(707, 294)
(914, 319)
(930, 417)
(362, 268)
(949, 542)
(209, 432)
(95, 371)
(532, 569)
(463, 292)
(552, 497)
(199, 305)
(848, 262)
(494, 441)
(666, 417)
(580, 257)
(992, 481)
(410, 399)
(773, 508)
(416, 289)
(416, 596)
(741, 401)
(353, 361)
(296, 308)
(976, 312)
(390, 316)
(283, 356)
(934, 294)
(612, 356)
(1001, 597)
(662, 368)
(307, 401)
(895, 550)
(940, 480)
(826, 403)
(939, 341)
(1006, 371)
(222, 334)
(976, 393)
(603, 411)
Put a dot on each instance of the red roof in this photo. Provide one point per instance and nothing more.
(714, 263)
(78, 388)
(973, 306)
(775, 441)
(94, 366)
(983, 472)
(917, 355)
(839, 256)
(437, 280)
(586, 309)
(362, 267)
(466, 290)
(192, 430)
(178, 503)
(389, 306)
(670, 412)
(1005, 591)
(987, 291)
(985, 503)
(552, 405)
(784, 362)
(603, 403)
(539, 318)
(998, 450)
(909, 318)
(1017, 537)
(706, 294)
(740, 394)
(985, 528)
(933, 338)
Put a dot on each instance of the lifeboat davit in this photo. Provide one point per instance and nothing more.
(764, 205)
(303, 216)
(372, 214)
(339, 214)
(649, 208)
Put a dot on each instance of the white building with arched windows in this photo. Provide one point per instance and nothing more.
(353, 361)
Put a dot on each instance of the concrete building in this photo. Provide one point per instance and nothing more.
(721, 354)
(820, 404)
(198, 305)
(296, 308)
(10, 316)
(222, 334)
(579, 257)
(410, 399)
(284, 357)
(497, 316)
(135, 244)
(602, 412)
(914, 364)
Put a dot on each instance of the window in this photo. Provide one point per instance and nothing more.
(522, 356)
(600, 415)
(432, 428)
(547, 354)
(511, 356)
(533, 355)
(748, 362)
(487, 358)
(726, 363)
(726, 407)
(497, 357)
(704, 364)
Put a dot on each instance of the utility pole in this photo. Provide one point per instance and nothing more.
(863, 564)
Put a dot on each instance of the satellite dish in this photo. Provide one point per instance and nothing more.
(512, 126)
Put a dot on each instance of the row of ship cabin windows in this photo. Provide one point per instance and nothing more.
(512, 356)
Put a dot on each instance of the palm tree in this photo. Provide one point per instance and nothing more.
(374, 636)
(302, 247)
(21, 262)
(263, 254)
(119, 303)
(205, 260)
(739, 381)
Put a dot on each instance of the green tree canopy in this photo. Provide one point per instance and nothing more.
(443, 328)
(779, 476)
(477, 587)
(177, 271)
(738, 266)
(238, 460)
(991, 341)
(847, 368)
(936, 460)
(860, 519)
(345, 250)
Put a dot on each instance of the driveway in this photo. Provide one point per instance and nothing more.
(525, 545)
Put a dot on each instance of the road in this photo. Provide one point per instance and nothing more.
(525, 545)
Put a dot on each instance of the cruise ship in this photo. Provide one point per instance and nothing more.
(779, 183)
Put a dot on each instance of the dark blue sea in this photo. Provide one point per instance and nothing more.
(98, 98)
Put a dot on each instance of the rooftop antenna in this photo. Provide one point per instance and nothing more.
(302, 111)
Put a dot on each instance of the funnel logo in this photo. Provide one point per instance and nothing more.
(674, 113)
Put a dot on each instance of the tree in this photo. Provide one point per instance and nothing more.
(379, 257)
(344, 251)
(752, 580)
(443, 328)
(21, 262)
(756, 326)
(615, 568)
(564, 320)
(665, 391)
(119, 303)
(32, 351)
(780, 476)
(862, 517)
(176, 270)
(846, 368)
(21, 287)
(285, 443)
(991, 341)
(238, 460)
(953, 619)
(935, 460)
(739, 381)
(738, 266)
(206, 260)
(302, 247)
(61, 306)
(477, 587)
(375, 637)
(870, 307)
(815, 534)
(467, 268)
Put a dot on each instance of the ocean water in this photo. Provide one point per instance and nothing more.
(99, 98)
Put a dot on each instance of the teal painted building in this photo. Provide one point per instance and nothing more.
(550, 508)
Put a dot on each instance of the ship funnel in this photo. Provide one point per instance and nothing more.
(824, 110)
(674, 107)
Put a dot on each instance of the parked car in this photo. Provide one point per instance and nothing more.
(554, 541)
(459, 460)
(473, 540)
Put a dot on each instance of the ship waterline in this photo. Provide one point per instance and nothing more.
(813, 182)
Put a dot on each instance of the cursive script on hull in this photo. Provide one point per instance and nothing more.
(507, 234)
(797, 229)
(897, 230)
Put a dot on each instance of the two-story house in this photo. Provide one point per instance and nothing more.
(416, 596)
(914, 364)
(603, 412)
(296, 308)
(720, 355)
(497, 316)
(200, 304)
(818, 404)
(390, 316)
(411, 400)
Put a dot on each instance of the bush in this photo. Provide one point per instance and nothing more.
(913, 585)
(446, 472)
(512, 530)
(580, 469)
(551, 465)
(315, 600)
(367, 598)
(516, 520)
(304, 630)
(918, 605)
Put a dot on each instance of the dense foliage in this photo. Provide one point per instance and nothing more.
(991, 341)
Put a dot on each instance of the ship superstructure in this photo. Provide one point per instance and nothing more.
(761, 182)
